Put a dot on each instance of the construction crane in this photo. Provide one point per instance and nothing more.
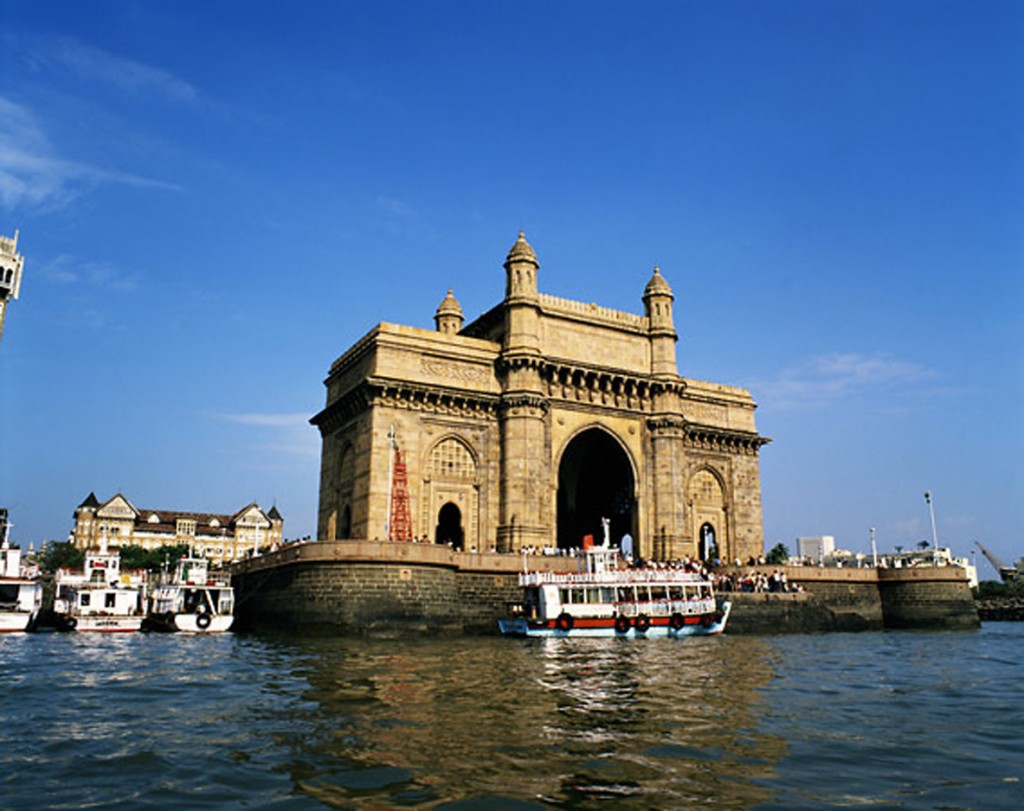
(1008, 574)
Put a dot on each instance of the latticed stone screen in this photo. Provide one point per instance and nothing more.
(450, 459)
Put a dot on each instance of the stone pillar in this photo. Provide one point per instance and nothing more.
(667, 476)
(525, 506)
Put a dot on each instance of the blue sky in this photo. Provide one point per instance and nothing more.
(216, 199)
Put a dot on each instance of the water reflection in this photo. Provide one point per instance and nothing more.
(554, 722)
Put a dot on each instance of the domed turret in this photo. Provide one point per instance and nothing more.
(657, 285)
(521, 270)
(658, 299)
(449, 315)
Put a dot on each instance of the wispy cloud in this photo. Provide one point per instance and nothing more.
(67, 269)
(287, 434)
(33, 174)
(93, 64)
(828, 379)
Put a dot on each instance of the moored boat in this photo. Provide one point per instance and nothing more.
(195, 600)
(101, 597)
(20, 597)
(606, 599)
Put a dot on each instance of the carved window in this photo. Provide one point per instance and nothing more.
(451, 459)
(706, 489)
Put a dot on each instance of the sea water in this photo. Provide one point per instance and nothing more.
(909, 720)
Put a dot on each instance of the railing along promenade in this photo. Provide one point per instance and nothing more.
(402, 553)
(429, 554)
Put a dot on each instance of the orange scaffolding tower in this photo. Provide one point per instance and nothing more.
(400, 520)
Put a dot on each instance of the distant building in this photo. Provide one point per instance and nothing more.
(219, 538)
(816, 548)
(11, 263)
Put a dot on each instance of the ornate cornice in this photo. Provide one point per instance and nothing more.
(572, 382)
(667, 423)
(722, 440)
(403, 395)
(530, 403)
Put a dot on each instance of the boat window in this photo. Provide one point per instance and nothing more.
(84, 598)
(109, 598)
(9, 593)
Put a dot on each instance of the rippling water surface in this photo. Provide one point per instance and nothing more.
(877, 720)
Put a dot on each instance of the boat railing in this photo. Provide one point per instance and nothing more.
(662, 608)
(612, 577)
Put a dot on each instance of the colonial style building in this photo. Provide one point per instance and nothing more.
(11, 263)
(532, 424)
(219, 538)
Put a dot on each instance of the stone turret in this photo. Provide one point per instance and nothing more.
(448, 317)
(658, 309)
(524, 509)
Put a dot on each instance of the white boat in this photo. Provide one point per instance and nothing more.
(101, 597)
(607, 599)
(20, 597)
(195, 601)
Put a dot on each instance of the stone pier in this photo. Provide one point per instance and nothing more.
(352, 587)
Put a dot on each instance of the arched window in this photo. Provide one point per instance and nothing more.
(451, 459)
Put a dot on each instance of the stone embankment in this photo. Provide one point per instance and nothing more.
(1001, 609)
(358, 586)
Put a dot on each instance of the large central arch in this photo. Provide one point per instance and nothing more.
(595, 481)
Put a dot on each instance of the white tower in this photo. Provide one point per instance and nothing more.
(11, 263)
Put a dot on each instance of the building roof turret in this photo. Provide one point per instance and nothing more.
(657, 285)
(521, 251)
(448, 306)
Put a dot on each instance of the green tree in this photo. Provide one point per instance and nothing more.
(60, 555)
(778, 555)
(153, 560)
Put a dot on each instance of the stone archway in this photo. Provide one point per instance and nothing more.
(449, 526)
(595, 481)
(708, 513)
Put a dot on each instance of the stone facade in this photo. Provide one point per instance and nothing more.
(533, 423)
(219, 538)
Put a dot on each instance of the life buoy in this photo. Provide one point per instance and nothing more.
(707, 621)
(622, 624)
(642, 623)
(676, 621)
(564, 622)
(72, 623)
(203, 621)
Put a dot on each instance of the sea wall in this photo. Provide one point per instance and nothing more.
(366, 586)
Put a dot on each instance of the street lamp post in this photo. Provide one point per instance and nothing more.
(874, 549)
(931, 512)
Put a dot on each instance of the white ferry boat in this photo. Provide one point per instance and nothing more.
(195, 601)
(101, 597)
(20, 597)
(605, 599)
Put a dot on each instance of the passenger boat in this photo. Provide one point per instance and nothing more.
(195, 600)
(101, 597)
(20, 597)
(607, 599)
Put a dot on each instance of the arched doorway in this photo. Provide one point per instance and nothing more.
(595, 481)
(449, 526)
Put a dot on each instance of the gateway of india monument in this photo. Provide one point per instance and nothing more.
(529, 426)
